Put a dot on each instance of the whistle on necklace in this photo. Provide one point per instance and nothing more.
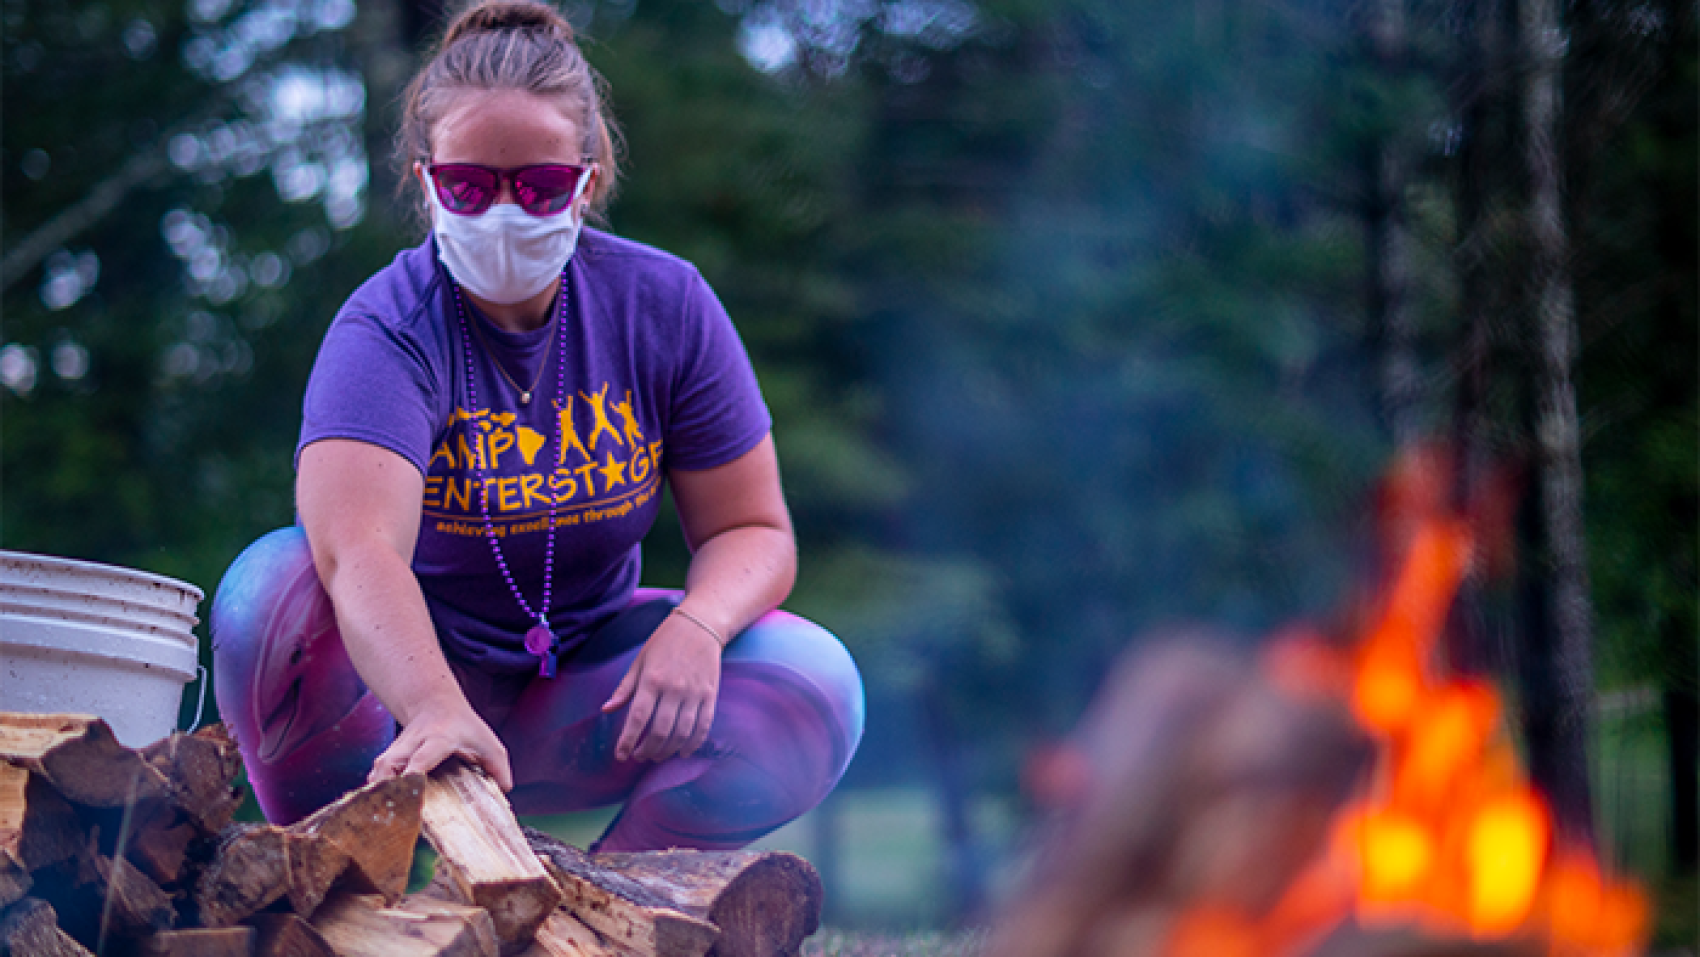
(541, 642)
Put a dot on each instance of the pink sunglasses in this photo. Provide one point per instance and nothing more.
(542, 190)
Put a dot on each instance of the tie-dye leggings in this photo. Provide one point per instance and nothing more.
(788, 718)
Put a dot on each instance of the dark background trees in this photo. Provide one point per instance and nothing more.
(1077, 319)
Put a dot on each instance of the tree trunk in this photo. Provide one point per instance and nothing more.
(1563, 771)
(1390, 243)
(1682, 730)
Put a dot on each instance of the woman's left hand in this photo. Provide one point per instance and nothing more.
(671, 687)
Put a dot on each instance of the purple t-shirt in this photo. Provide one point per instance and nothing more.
(654, 379)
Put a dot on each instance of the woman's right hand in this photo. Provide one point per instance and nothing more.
(438, 734)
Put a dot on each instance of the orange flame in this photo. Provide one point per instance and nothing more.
(1452, 836)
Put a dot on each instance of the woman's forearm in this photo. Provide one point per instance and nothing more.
(381, 613)
(360, 506)
(739, 575)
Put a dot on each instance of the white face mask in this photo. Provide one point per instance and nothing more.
(505, 254)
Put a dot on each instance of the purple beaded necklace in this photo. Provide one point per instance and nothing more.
(539, 639)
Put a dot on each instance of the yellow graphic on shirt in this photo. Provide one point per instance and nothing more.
(569, 434)
(634, 435)
(598, 408)
(582, 484)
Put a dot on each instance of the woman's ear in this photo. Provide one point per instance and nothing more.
(587, 189)
(424, 182)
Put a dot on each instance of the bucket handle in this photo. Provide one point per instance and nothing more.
(201, 696)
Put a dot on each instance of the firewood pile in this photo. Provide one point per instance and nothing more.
(111, 850)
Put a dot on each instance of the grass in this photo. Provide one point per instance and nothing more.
(831, 942)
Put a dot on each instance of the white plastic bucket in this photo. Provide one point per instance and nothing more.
(84, 638)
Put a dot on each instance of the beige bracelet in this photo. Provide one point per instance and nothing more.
(700, 624)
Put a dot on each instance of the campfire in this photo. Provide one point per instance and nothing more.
(105, 849)
(1327, 800)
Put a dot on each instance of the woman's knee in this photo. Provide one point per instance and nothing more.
(282, 678)
(817, 662)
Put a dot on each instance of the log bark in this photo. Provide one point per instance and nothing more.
(359, 925)
(30, 927)
(287, 935)
(467, 819)
(249, 871)
(367, 838)
(632, 916)
(38, 827)
(200, 771)
(79, 755)
(765, 903)
(200, 942)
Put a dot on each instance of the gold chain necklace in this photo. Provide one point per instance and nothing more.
(542, 367)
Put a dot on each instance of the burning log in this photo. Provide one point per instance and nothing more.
(468, 820)
(1207, 786)
(1350, 940)
(31, 927)
(360, 925)
(1210, 826)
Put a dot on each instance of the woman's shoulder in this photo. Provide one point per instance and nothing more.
(610, 258)
(401, 296)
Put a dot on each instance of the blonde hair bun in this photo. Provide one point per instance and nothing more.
(501, 16)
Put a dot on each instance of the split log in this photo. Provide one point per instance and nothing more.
(199, 942)
(38, 827)
(367, 837)
(631, 915)
(80, 756)
(249, 871)
(160, 842)
(30, 927)
(14, 879)
(359, 925)
(287, 935)
(131, 902)
(467, 819)
(564, 935)
(765, 903)
(200, 771)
